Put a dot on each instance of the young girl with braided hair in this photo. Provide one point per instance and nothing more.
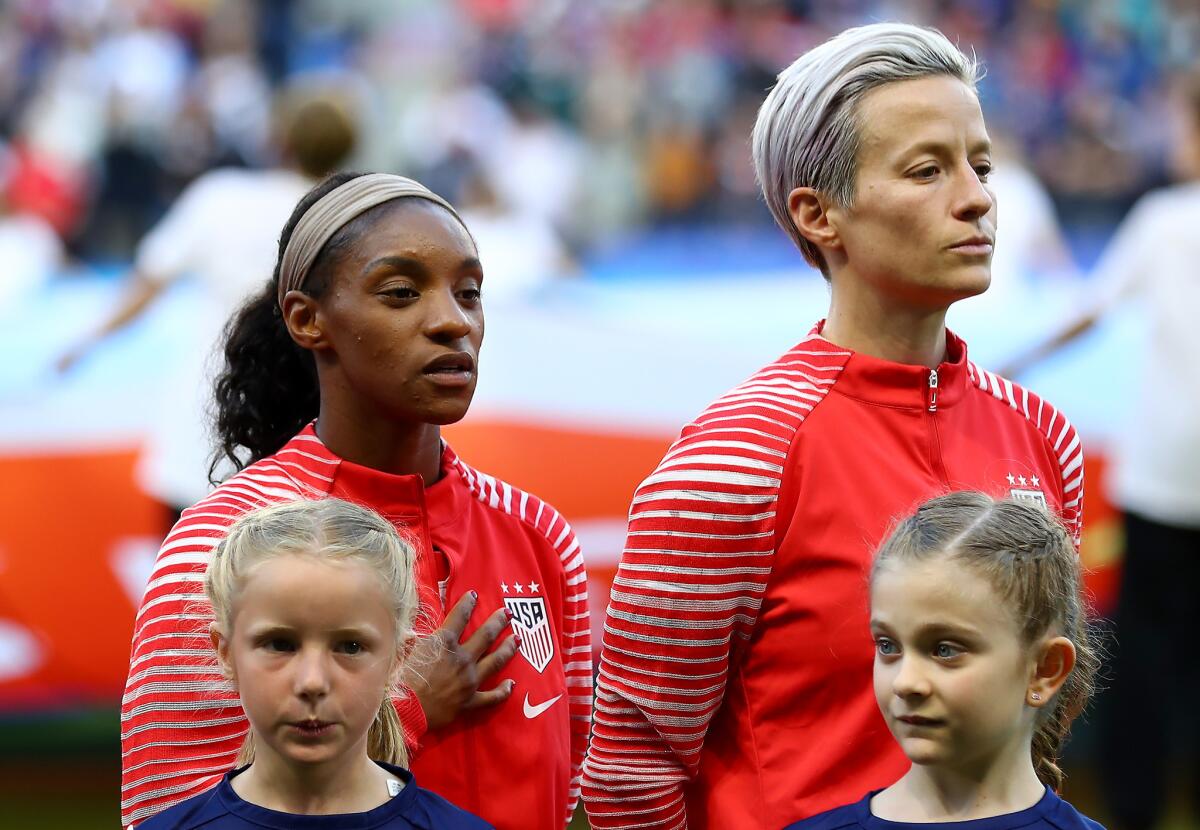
(313, 604)
(982, 660)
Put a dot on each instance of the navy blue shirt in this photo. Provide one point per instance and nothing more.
(220, 808)
(1051, 813)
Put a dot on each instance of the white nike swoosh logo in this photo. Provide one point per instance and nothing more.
(532, 712)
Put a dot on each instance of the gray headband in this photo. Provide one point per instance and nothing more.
(335, 209)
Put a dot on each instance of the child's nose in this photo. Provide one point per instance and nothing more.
(910, 680)
(312, 674)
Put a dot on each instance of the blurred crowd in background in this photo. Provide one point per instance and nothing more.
(591, 117)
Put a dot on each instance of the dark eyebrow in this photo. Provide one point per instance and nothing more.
(415, 266)
(398, 263)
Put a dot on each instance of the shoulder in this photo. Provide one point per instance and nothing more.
(774, 401)
(200, 811)
(442, 815)
(1034, 413)
(288, 475)
(732, 457)
(1165, 202)
(505, 503)
(845, 816)
(1063, 816)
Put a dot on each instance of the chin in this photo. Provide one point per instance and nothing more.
(445, 416)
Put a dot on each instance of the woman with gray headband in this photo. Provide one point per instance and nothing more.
(338, 377)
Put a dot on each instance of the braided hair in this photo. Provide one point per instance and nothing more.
(1028, 557)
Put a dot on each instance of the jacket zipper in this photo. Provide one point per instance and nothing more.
(935, 446)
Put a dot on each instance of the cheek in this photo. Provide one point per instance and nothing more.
(882, 681)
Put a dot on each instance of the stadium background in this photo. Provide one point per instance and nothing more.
(616, 129)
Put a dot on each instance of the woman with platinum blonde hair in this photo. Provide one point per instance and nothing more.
(735, 683)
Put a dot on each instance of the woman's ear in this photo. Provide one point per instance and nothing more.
(300, 315)
(811, 213)
(221, 646)
(1055, 659)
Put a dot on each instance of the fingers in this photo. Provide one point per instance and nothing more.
(486, 634)
(499, 658)
(491, 697)
(456, 621)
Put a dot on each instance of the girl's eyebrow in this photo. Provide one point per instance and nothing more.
(942, 627)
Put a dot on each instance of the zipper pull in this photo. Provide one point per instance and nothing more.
(933, 387)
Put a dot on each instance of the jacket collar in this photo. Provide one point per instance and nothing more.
(400, 498)
(901, 385)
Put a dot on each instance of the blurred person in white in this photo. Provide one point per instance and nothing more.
(30, 250)
(521, 251)
(1029, 239)
(223, 232)
(1155, 479)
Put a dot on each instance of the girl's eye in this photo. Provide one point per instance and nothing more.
(279, 644)
(885, 647)
(946, 651)
(351, 647)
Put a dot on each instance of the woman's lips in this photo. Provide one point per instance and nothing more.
(450, 377)
(451, 370)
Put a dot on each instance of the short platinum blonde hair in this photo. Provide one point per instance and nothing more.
(331, 530)
(807, 132)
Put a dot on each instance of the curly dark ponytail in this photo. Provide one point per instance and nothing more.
(268, 389)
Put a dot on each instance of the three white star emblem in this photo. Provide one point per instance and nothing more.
(520, 588)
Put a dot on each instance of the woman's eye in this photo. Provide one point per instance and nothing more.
(471, 294)
(400, 292)
(983, 171)
(278, 644)
(886, 647)
(351, 647)
(927, 172)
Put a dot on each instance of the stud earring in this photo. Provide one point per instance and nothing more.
(1034, 696)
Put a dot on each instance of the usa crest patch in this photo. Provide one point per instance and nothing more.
(1023, 488)
(529, 620)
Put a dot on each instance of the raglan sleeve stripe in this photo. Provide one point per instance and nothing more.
(687, 591)
(181, 722)
(575, 645)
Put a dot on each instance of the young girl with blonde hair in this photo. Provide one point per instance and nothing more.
(313, 605)
(982, 660)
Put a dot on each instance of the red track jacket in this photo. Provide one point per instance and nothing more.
(735, 684)
(515, 765)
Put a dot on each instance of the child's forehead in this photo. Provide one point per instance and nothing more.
(305, 583)
(941, 583)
